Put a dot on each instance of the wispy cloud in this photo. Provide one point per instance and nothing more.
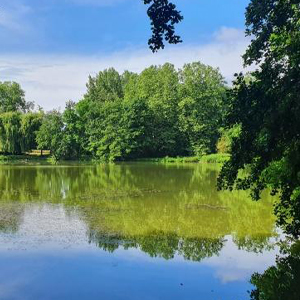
(51, 80)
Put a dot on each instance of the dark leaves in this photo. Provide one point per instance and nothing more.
(164, 17)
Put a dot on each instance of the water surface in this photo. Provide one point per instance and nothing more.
(129, 231)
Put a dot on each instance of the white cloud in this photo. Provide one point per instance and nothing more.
(233, 264)
(227, 35)
(51, 80)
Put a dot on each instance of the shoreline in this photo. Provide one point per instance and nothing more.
(26, 158)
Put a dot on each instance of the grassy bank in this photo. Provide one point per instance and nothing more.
(21, 158)
(215, 158)
(211, 158)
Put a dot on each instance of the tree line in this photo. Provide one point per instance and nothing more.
(159, 112)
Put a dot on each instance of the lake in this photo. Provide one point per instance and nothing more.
(129, 231)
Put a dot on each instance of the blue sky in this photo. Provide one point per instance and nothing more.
(61, 36)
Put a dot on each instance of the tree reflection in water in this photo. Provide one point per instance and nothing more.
(282, 281)
(161, 209)
(160, 244)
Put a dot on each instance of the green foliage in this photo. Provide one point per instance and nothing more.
(227, 137)
(279, 282)
(157, 113)
(18, 131)
(210, 158)
(50, 134)
(117, 129)
(73, 132)
(62, 133)
(106, 86)
(3, 158)
(30, 124)
(10, 136)
(187, 159)
(143, 115)
(267, 107)
(18, 125)
(167, 159)
(215, 158)
(158, 87)
(21, 159)
(202, 95)
(12, 98)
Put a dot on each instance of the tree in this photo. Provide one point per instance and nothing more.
(147, 114)
(12, 98)
(117, 130)
(202, 94)
(105, 141)
(50, 134)
(267, 110)
(10, 136)
(158, 86)
(105, 86)
(73, 132)
(18, 131)
(29, 125)
(126, 78)
(18, 124)
(62, 134)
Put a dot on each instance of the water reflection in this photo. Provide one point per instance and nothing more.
(281, 281)
(132, 213)
(162, 210)
(162, 245)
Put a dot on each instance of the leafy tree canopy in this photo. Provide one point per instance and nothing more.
(161, 111)
(267, 109)
(202, 94)
(12, 98)
(50, 133)
(105, 86)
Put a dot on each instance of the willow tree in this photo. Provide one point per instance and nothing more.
(10, 135)
(29, 125)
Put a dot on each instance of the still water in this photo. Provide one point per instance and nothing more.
(129, 231)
